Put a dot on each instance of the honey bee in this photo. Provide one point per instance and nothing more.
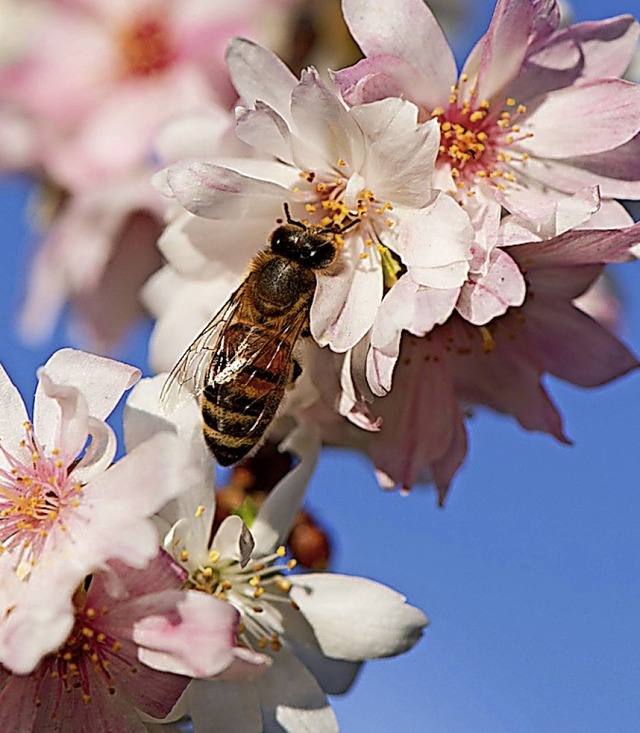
(240, 365)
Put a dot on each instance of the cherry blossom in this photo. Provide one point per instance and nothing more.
(307, 633)
(365, 170)
(500, 364)
(97, 679)
(536, 113)
(66, 508)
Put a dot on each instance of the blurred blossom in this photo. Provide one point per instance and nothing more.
(67, 509)
(305, 634)
(82, 96)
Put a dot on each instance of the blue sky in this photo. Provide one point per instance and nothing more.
(530, 573)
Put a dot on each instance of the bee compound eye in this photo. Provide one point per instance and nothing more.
(283, 240)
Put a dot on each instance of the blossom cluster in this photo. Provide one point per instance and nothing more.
(469, 217)
(117, 591)
(478, 210)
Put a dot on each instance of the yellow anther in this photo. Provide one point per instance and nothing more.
(214, 556)
(184, 555)
(281, 551)
(199, 511)
(511, 102)
(485, 104)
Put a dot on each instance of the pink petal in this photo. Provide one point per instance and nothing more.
(420, 421)
(199, 644)
(610, 107)
(616, 172)
(380, 77)
(578, 247)
(484, 298)
(258, 74)
(574, 347)
(499, 56)
(607, 45)
(408, 30)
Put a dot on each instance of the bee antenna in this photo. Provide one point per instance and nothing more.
(289, 219)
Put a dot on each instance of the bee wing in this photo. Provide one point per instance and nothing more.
(189, 376)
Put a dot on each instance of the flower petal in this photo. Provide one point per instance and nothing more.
(499, 55)
(401, 153)
(616, 172)
(406, 29)
(292, 700)
(275, 517)
(217, 192)
(345, 304)
(225, 706)
(436, 236)
(574, 347)
(356, 618)
(328, 132)
(102, 381)
(258, 74)
(607, 46)
(611, 106)
(484, 298)
(200, 644)
(12, 416)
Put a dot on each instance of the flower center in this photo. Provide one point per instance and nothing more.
(366, 215)
(146, 48)
(33, 494)
(476, 140)
(251, 590)
(85, 657)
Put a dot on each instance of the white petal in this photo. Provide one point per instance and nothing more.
(356, 618)
(275, 517)
(292, 700)
(259, 74)
(233, 541)
(345, 305)
(102, 381)
(12, 416)
(401, 154)
(436, 236)
(225, 706)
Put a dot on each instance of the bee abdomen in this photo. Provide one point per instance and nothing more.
(235, 418)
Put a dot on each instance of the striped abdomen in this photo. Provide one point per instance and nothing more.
(247, 382)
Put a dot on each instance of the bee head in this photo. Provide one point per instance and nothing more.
(313, 247)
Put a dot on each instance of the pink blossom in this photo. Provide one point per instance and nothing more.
(97, 679)
(65, 509)
(366, 169)
(536, 112)
(500, 364)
